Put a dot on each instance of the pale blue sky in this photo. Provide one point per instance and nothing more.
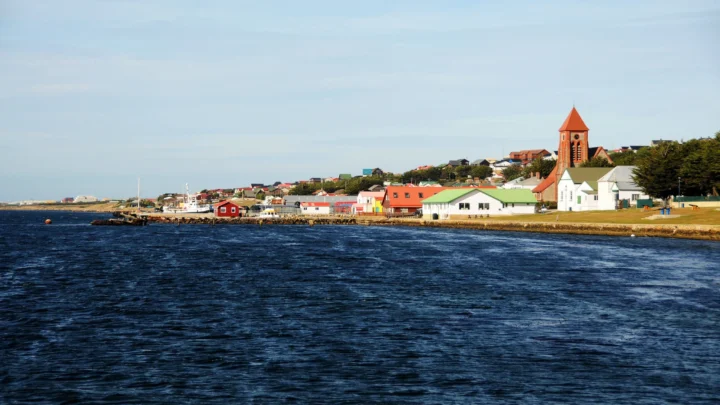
(95, 93)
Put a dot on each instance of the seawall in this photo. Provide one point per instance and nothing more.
(700, 232)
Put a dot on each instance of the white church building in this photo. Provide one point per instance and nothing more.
(597, 188)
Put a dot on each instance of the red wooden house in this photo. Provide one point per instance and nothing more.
(227, 209)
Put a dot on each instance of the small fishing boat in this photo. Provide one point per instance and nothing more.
(268, 213)
(190, 205)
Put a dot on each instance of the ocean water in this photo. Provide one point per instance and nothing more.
(333, 314)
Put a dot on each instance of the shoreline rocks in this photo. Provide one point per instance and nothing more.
(699, 232)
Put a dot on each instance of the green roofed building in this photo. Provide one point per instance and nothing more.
(464, 203)
(578, 188)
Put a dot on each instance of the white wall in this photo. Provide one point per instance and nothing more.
(315, 210)
(607, 199)
(566, 193)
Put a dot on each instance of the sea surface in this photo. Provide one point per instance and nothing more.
(172, 314)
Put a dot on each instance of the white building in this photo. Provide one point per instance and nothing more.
(463, 202)
(578, 188)
(369, 201)
(85, 199)
(315, 208)
(617, 185)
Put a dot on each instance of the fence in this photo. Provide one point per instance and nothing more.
(697, 198)
(645, 203)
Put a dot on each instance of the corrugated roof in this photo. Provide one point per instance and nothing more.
(583, 174)
(510, 196)
(447, 196)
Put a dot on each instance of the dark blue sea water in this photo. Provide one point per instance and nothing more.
(275, 314)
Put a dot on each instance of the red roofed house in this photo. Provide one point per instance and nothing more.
(572, 151)
(408, 199)
(315, 208)
(343, 207)
(227, 209)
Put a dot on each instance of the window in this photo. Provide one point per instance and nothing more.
(232, 210)
(464, 206)
(394, 195)
(403, 210)
(579, 199)
(420, 195)
(483, 206)
(595, 197)
(407, 195)
(570, 199)
(317, 209)
(635, 197)
(562, 196)
(513, 205)
(222, 210)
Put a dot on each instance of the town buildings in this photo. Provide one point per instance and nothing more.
(525, 157)
(573, 150)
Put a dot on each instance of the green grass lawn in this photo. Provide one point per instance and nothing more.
(703, 216)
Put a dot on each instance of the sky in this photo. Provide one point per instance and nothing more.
(218, 94)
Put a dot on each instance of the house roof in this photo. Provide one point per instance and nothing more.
(447, 196)
(622, 176)
(315, 204)
(530, 181)
(587, 174)
(574, 122)
(511, 196)
(413, 199)
(227, 202)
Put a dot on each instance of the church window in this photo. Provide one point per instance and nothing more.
(570, 199)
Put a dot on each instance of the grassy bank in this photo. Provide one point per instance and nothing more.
(685, 216)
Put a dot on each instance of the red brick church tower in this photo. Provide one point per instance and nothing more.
(572, 151)
(573, 148)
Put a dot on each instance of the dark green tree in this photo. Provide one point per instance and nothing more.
(545, 167)
(461, 172)
(481, 172)
(627, 158)
(700, 169)
(512, 172)
(658, 170)
(597, 161)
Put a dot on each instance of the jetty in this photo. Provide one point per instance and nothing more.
(122, 218)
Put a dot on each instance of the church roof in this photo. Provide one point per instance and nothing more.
(587, 174)
(574, 122)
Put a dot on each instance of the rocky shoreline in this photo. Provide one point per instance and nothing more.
(700, 232)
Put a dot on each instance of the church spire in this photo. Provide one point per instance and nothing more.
(573, 122)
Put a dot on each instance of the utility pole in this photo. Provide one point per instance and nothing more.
(679, 178)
